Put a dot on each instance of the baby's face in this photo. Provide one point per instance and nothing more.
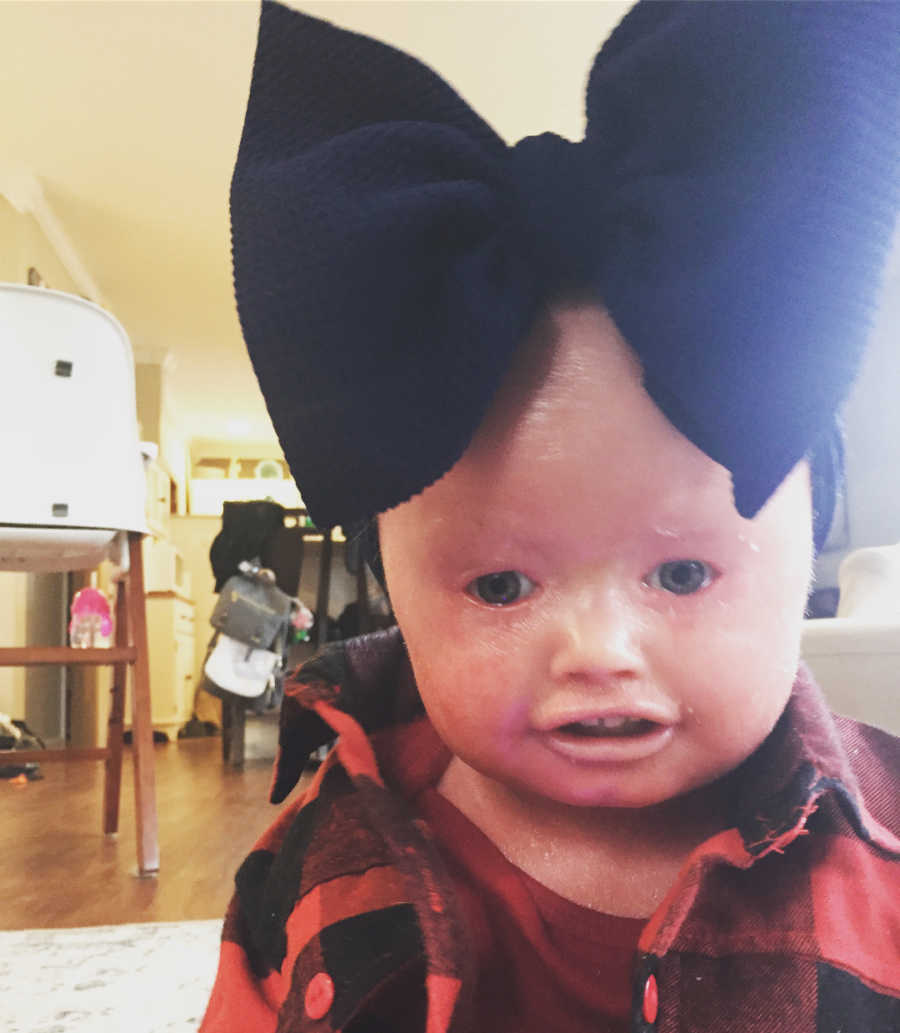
(588, 617)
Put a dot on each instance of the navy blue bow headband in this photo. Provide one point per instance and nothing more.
(731, 204)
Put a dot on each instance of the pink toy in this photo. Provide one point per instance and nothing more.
(91, 624)
(302, 620)
(302, 617)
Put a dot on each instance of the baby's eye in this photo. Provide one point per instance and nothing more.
(501, 588)
(681, 577)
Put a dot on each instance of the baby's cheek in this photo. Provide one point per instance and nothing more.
(742, 707)
(450, 683)
(742, 662)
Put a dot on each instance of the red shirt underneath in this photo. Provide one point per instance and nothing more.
(543, 962)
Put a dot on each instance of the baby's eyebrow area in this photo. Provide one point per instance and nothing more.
(483, 550)
(692, 534)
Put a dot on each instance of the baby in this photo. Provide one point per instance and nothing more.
(586, 784)
(586, 639)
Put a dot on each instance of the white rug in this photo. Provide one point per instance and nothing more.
(148, 978)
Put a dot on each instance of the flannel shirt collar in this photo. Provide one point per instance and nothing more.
(369, 679)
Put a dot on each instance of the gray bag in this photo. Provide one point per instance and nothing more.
(253, 611)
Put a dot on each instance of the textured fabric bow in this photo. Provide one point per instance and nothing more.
(731, 205)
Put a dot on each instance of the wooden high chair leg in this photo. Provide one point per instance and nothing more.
(115, 730)
(141, 724)
(130, 649)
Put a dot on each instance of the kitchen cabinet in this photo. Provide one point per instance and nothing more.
(159, 499)
(238, 472)
(170, 634)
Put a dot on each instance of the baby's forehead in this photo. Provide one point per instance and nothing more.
(551, 356)
(573, 424)
(572, 365)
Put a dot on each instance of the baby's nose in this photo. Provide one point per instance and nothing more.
(599, 639)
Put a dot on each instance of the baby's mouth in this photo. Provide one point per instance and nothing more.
(614, 737)
(617, 727)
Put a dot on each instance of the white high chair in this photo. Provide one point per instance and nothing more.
(73, 495)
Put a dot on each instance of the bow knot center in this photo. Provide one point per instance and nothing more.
(558, 207)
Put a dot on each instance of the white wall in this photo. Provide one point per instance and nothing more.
(872, 419)
(13, 595)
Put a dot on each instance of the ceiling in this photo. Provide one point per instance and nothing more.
(128, 114)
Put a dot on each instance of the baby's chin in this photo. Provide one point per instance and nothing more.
(704, 793)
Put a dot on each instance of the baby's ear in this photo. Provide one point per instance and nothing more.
(826, 475)
(362, 538)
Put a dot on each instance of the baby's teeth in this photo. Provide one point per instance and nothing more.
(614, 722)
(610, 723)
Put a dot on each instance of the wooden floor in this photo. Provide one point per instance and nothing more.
(57, 869)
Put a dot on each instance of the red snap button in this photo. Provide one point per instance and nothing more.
(319, 995)
(651, 1000)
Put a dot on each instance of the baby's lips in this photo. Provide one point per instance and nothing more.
(582, 739)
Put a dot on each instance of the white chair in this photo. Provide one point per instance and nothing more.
(855, 656)
(73, 495)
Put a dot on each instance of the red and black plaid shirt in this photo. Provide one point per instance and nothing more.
(344, 917)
